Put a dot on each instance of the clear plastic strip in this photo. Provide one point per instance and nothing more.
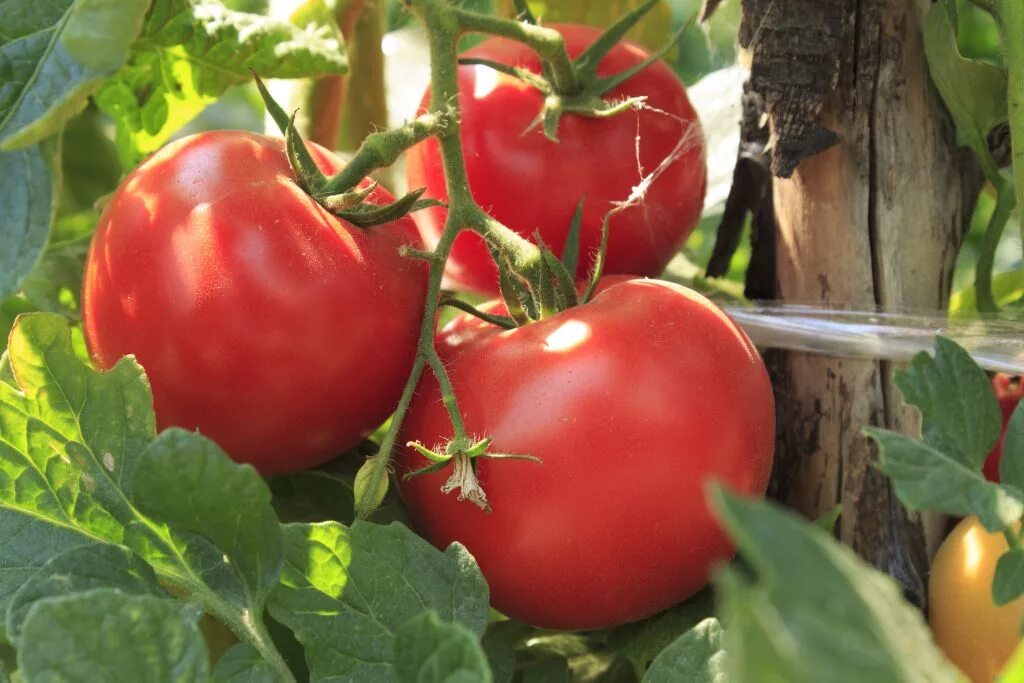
(996, 343)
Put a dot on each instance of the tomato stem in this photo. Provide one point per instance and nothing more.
(445, 24)
(380, 150)
(546, 42)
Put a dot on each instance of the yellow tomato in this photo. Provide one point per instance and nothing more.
(975, 634)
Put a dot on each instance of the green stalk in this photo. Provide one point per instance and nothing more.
(445, 25)
(1011, 22)
(364, 104)
(546, 42)
(1005, 201)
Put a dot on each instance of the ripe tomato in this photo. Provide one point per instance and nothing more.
(976, 635)
(1008, 392)
(263, 321)
(529, 182)
(634, 402)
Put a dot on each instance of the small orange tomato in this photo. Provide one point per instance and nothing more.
(975, 634)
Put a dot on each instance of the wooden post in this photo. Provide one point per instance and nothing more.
(876, 219)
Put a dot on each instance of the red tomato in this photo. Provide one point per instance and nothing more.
(280, 331)
(1008, 392)
(529, 182)
(634, 402)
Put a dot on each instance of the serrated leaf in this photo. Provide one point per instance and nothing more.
(974, 91)
(1011, 462)
(429, 650)
(1008, 584)
(72, 442)
(815, 611)
(54, 55)
(243, 664)
(640, 642)
(190, 53)
(106, 635)
(29, 196)
(79, 570)
(927, 479)
(217, 509)
(344, 592)
(695, 656)
(960, 414)
(68, 435)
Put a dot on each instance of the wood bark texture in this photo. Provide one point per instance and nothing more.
(875, 219)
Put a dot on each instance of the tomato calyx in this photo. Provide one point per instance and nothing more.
(589, 98)
(345, 200)
(461, 453)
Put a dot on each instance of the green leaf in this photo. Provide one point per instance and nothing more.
(344, 592)
(106, 635)
(79, 570)
(68, 435)
(73, 442)
(927, 479)
(499, 644)
(814, 610)
(429, 650)
(219, 512)
(640, 642)
(974, 91)
(1011, 462)
(29, 195)
(190, 53)
(314, 495)
(1008, 584)
(243, 664)
(55, 54)
(960, 413)
(89, 161)
(696, 656)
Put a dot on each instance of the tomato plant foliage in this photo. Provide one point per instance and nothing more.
(121, 544)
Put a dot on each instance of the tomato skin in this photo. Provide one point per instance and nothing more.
(1008, 393)
(634, 402)
(280, 331)
(529, 183)
(976, 635)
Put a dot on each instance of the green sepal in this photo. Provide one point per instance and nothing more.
(430, 455)
(347, 200)
(609, 82)
(597, 270)
(563, 282)
(307, 173)
(587, 62)
(429, 469)
(369, 215)
(525, 75)
(517, 293)
(275, 110)
(544, 290)
(571, 249)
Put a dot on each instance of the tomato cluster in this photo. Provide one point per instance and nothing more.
(534, 184)
(286, 334)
